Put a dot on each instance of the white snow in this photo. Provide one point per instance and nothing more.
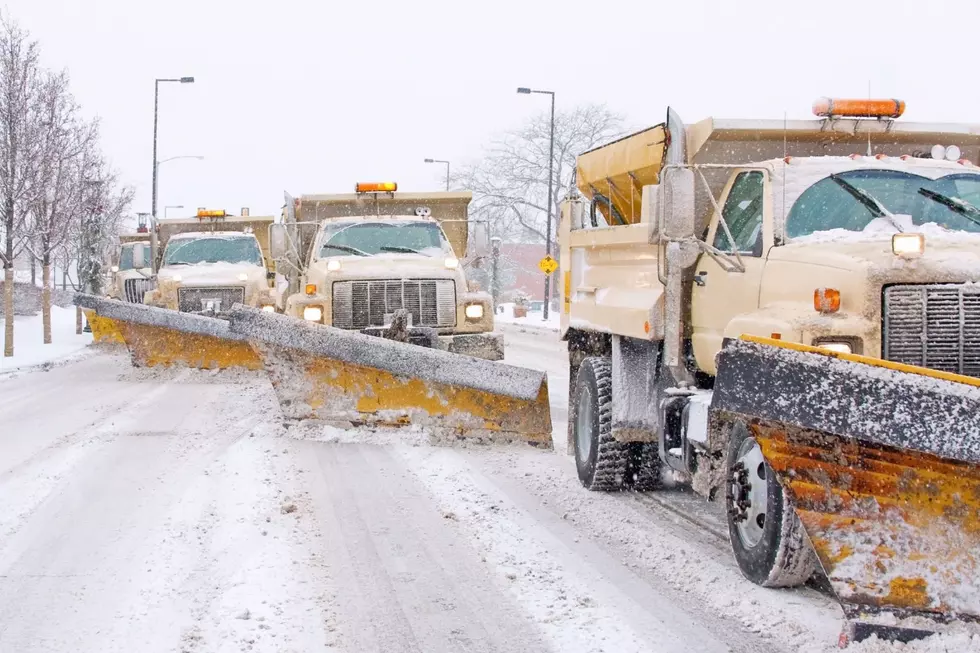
(29, 347)
(883, 229)
(532, 319)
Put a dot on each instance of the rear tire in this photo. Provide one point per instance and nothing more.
(768, 539)
(603, 463)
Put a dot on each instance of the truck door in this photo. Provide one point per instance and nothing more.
(719, 295)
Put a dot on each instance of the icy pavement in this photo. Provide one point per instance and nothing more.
(29, 347)
(171, 511)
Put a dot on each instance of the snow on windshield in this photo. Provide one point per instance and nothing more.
(377, 237)
(851, 202)
(213, 249)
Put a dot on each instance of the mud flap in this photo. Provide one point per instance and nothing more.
(161, 337)
(104, 330)
(882, 464)
(329, 374)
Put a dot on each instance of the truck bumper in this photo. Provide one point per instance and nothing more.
(488, 346)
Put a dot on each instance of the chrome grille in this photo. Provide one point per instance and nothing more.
(194, 300)
(361, 304)
(135, 289)
(935, 326)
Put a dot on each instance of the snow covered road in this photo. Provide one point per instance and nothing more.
(171, 511)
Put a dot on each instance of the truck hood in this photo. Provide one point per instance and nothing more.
(953, 259)
(396, 266)
(212, 274)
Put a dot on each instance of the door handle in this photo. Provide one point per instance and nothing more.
(699, 278)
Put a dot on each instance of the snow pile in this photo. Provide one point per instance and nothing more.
(532, 319)
(884, 228)
(29, 347)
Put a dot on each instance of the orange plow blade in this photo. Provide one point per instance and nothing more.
(882, 464)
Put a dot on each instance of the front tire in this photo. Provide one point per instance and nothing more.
(603, 463)
(768, 539)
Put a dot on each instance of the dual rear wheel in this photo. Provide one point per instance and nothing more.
(767, 538)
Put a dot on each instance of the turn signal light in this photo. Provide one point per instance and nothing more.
(311, 289)
(826, 300)
(382, 187)
(826, 107)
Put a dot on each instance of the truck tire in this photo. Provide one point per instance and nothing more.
(768, 539)
(601, 461)
(644, 467)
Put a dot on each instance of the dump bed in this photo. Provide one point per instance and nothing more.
(449, 209)
(616, 173)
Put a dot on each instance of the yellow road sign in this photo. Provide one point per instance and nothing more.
(548, 264)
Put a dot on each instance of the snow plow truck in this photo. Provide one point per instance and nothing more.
(380, 327)
(787, 315)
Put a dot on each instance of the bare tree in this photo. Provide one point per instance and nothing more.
(18, 88)
(510, 183)
(65, 154)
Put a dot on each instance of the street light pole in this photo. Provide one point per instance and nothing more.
(156, 165)
(447, 169)
(551, 178)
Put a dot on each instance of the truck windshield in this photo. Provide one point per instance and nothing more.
(126, 256)
(213, 250)
(827, 204)
(371, 238)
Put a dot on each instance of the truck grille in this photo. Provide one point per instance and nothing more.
(193, 300)
(360, 304)
(135, 289)
(935, 326)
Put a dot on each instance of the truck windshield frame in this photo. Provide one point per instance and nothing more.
(827, 205)
(126, 256)
(374, 237)
(213, 249)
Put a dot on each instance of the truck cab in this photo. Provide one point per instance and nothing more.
(369, 255)
(211, 262)
(131, 273)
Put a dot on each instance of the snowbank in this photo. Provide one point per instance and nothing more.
(29, 347)
(533, 319)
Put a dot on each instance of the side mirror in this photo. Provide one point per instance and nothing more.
(480, 238)
(139, 261)
(277, 241)
(270, 275)
(675, 202)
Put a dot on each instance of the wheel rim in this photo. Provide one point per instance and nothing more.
(749, 493)
(583, 424)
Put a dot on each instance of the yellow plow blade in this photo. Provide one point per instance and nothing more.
(104, 330)
(158, 337)
(882, 464)
(328, 374)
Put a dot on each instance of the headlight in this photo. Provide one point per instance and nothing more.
(313, 313)
(839, 347)
(269, 308)
(115, 268)
(333, 265)
(474, 311)
(452, 263)
(908, 245)
(242, 277)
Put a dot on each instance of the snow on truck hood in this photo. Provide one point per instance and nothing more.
(211, 273)
(390, 266)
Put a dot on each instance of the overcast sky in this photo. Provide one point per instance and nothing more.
(311, 96)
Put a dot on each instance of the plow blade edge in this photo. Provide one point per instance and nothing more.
(328, 374)
(881, 462)
(160, 337)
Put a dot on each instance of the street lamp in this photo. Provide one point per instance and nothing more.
(156, 176)
(156, 113)
(172, 206)
(447, 168)
(523, 90)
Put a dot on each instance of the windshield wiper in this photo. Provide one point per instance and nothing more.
(962, 207)
(876, 208)
(407, 250)
(345, 248)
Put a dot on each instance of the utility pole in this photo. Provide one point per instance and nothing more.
(551, 180)
(495, 270)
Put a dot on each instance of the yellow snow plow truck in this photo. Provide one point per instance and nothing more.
(369, 260)
(128, 282)
(787, 314)
(359, 376)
